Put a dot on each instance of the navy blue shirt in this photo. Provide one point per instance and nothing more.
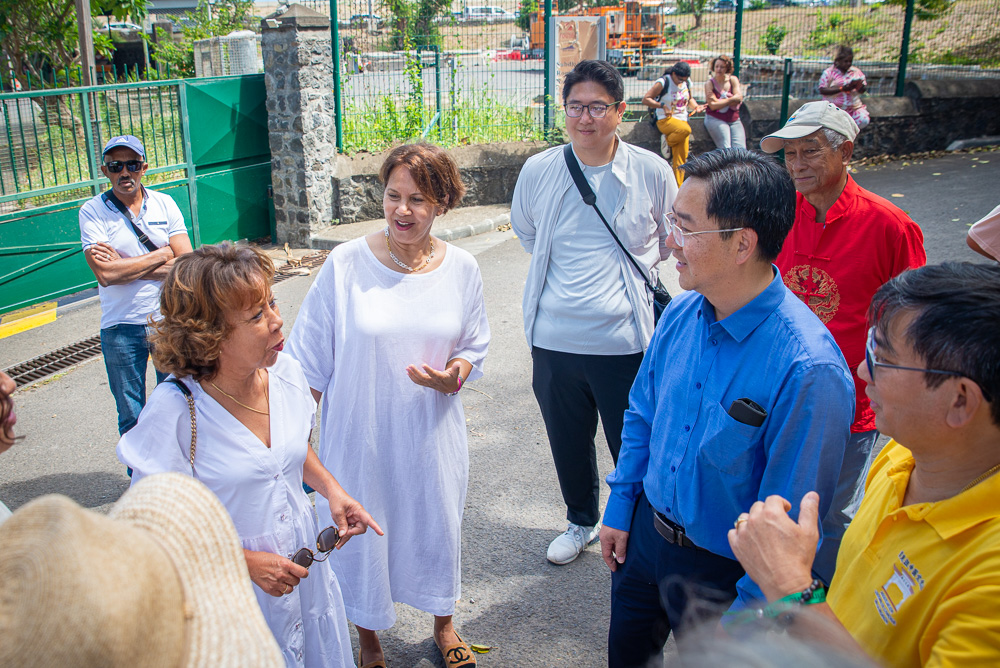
(699, 466)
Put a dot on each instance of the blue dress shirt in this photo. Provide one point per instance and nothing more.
(699, 466)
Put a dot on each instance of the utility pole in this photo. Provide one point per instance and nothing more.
(86, 39)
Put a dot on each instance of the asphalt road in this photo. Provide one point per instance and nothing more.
(535, 614)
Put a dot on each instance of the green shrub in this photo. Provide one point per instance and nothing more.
(838, 29)
(773, 35)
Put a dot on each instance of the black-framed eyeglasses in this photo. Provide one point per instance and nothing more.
(870, 348)
(325, 542)
(674, 230)
(595, 109)
(116, 166)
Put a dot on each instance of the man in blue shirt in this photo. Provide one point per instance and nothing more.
(743, 393)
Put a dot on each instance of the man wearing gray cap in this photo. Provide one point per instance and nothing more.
(845, 244)
(130, 237)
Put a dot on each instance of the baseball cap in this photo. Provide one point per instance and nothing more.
(808, 119)
(128, 141)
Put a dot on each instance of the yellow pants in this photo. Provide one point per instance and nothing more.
(677, 134)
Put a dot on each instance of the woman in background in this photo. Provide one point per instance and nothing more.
(842, 84)
(724, 95)
(671, 99)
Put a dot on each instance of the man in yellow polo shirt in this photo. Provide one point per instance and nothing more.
(917, 581)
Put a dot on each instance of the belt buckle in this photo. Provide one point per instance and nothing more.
(671, 532)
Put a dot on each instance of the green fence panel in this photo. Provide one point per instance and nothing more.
(228, 119)
(233, 204)
(41, 257)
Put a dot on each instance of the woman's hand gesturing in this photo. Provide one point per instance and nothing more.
(444, 382)
(273, 573)
(351, 518)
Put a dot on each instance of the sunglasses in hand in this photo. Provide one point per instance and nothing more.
(325, 542)
(117, 165)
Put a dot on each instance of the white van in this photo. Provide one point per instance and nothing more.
(486, 14)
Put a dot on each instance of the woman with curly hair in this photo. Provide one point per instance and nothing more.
(237, 416)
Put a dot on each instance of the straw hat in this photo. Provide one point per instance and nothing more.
(160, 581)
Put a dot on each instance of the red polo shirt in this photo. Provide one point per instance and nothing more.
(837, 267)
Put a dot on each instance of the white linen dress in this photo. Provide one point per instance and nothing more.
(397, 447)
(262, 490)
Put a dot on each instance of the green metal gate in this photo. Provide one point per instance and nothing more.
(206, 143)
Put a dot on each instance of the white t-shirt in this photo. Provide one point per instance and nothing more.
(675, 97)
(584, 307)
(100, 221)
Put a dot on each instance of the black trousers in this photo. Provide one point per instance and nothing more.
(663, 587)
(572, 390)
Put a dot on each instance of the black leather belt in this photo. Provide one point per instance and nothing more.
(672, 532)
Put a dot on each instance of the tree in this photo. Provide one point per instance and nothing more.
(40, 36)
(220, 18)
(926, 10)
(695, 7)
(415, 24)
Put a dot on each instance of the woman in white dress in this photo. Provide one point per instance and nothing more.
(248, 442)
(393, 326)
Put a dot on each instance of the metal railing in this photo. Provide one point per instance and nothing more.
(50, 140)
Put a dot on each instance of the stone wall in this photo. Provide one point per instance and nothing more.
(489, 173)
(298, 70)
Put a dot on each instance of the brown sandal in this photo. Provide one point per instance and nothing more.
(458, 655)
(371, 664)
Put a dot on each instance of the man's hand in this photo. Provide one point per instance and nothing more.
(103, 252)
(613, 545)
(777, 552)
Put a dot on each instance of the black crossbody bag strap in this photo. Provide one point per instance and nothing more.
(590, 199)
(118, 204)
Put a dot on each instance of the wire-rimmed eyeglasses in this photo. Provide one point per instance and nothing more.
(325, 542)
(677, 234)
(871, 346)
(595, 109)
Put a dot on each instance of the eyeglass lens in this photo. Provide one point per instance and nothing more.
(674, 230)
(117, 166)
(596, 109)
(325, 542)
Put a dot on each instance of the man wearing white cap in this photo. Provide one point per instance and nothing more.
(130, 237)
(845, 244)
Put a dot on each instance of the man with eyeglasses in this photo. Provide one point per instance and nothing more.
(130, 237)
(919, 568)
(742, 394)
(846, 243)
(588, 314)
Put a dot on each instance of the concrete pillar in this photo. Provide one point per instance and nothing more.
(298, 74)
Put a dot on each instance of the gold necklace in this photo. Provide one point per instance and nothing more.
(249, 408)
(395, 259)
(981, 478)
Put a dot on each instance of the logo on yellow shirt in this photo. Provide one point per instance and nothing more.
(816, 288)
(905, 581)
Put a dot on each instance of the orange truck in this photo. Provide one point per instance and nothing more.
(635, 29)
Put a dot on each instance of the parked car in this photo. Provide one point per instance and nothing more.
(363, 20)
(486, 14)
(729, 5)
(122, 26)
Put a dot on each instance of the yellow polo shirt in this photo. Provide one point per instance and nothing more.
(919, 585)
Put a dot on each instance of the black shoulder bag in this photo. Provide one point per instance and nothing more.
(118, 204)
(660, 295)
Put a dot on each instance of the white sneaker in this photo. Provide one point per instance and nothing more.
(569, 544)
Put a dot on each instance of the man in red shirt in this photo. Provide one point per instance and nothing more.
(845, 244)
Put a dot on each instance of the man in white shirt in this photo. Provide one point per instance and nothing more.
(130, 237)
(588, 315)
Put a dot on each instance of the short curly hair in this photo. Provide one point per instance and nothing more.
(199, 291)
(725, 59)
(433, 170)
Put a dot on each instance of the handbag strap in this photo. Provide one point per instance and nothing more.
(590, 199)
(194, 427)
(110, 198)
